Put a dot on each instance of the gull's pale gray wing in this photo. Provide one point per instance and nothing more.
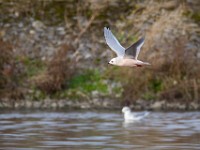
(134, 50)
(113, 43)
(141, 114)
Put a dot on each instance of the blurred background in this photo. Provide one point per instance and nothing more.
(54, 53)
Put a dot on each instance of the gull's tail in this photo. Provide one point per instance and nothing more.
(146, 113)
(146, 63)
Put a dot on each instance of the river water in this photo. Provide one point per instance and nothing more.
(35, 130)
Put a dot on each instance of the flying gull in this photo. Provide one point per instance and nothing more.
(125, 57)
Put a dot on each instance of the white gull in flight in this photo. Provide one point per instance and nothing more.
(125, 57)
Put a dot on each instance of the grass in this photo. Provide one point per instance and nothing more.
(32, 66)
(86, 85)
(90, 80)
(89, 84)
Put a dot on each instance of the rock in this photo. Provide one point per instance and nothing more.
(158, 105)
(198, 55)
(181, 107)
(193, 106)
(96, 102)
(143, 103)
(38, 25)
(1, 105)
(37, 104)
(16, 14)
(43, 58)
(32, 31)
(85, 105)
(46, 103)
(109, 103)
(7, 25)
(54, 105)
(61, 30)
(16, 105)
(2, 33)
(136, 107)
(28, 104)
(19, 104)
(61, 103)
(20, 25)
(95, 93)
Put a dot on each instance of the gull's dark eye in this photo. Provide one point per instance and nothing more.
(111, 61)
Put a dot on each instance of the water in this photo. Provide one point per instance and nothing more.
(34, 130)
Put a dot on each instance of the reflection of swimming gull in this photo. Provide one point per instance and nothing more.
(125, 57)
(130, 116)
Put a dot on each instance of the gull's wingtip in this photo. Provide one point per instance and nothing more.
(141, 41)
(106, 29)
(146, 113)
(143, 38)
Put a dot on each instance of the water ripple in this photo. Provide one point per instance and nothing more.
(98, 130)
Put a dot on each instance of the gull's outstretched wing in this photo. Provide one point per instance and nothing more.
(113, 43)
(134, 50)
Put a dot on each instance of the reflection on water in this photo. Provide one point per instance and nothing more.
(98, 130)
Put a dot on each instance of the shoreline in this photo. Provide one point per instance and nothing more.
(138, 105)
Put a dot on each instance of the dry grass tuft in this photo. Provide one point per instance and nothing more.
(59, 70)
(9, 73)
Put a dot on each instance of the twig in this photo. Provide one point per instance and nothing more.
(86, 28)
(196, 96)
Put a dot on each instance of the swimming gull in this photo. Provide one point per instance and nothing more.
(130, 116)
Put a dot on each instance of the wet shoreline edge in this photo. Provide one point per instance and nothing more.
(138, 105)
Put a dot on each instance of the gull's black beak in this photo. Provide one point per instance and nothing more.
(108, 63)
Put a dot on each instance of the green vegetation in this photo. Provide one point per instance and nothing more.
(32, 66)
(90, 80)
(83, 86)
(193, 15)
(90, 83)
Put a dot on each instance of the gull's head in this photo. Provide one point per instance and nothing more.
(126, 109)
(114, 61)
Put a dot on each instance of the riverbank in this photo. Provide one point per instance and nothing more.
(100, 104)
(57, 57)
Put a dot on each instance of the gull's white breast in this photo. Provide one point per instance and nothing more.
(129, 62)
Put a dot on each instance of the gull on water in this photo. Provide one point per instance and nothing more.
(125, 57)
(130, 116)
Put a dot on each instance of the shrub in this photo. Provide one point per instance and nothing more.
(9, 73)
(59, 70)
